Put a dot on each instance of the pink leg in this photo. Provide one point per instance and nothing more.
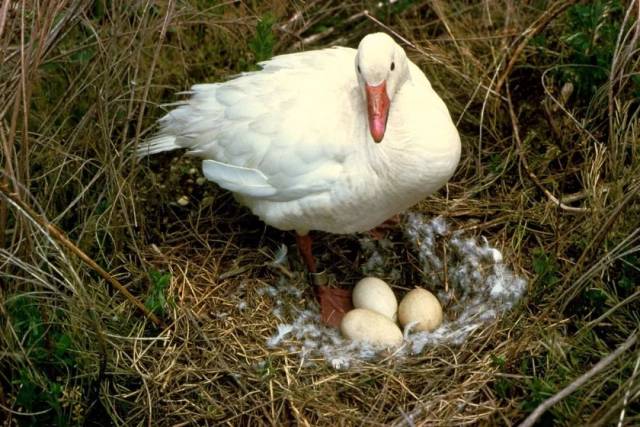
(304, 246)
(334, 303)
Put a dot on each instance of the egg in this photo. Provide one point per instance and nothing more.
(375, 295)
(367, 326)
(420, 305)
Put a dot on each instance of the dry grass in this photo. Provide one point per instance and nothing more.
(81, 83)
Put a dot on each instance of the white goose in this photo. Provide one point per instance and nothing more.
(336, 139)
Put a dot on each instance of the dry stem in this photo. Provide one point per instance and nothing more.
(64, 240)
(535, 28)
(578, 382)
(525, 164)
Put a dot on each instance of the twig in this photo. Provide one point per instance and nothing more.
(578, 382)
(525, 164)
(535, 28)
(7, 151)
(617, 69)
(57, 234)
(154, 60)
(625, 401)
(560, 105)
(572, 288)
(4, 11)
(314, 38)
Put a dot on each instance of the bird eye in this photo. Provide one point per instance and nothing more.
(393, 66)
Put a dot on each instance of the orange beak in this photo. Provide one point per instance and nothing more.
(378, 104)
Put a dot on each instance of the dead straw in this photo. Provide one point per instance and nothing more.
(60, 236)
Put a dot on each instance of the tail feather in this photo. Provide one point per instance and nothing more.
(182, 122)
(157, 144)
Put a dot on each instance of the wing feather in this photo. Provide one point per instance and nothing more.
(269, 134)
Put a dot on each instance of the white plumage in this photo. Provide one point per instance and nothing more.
(294, 141)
